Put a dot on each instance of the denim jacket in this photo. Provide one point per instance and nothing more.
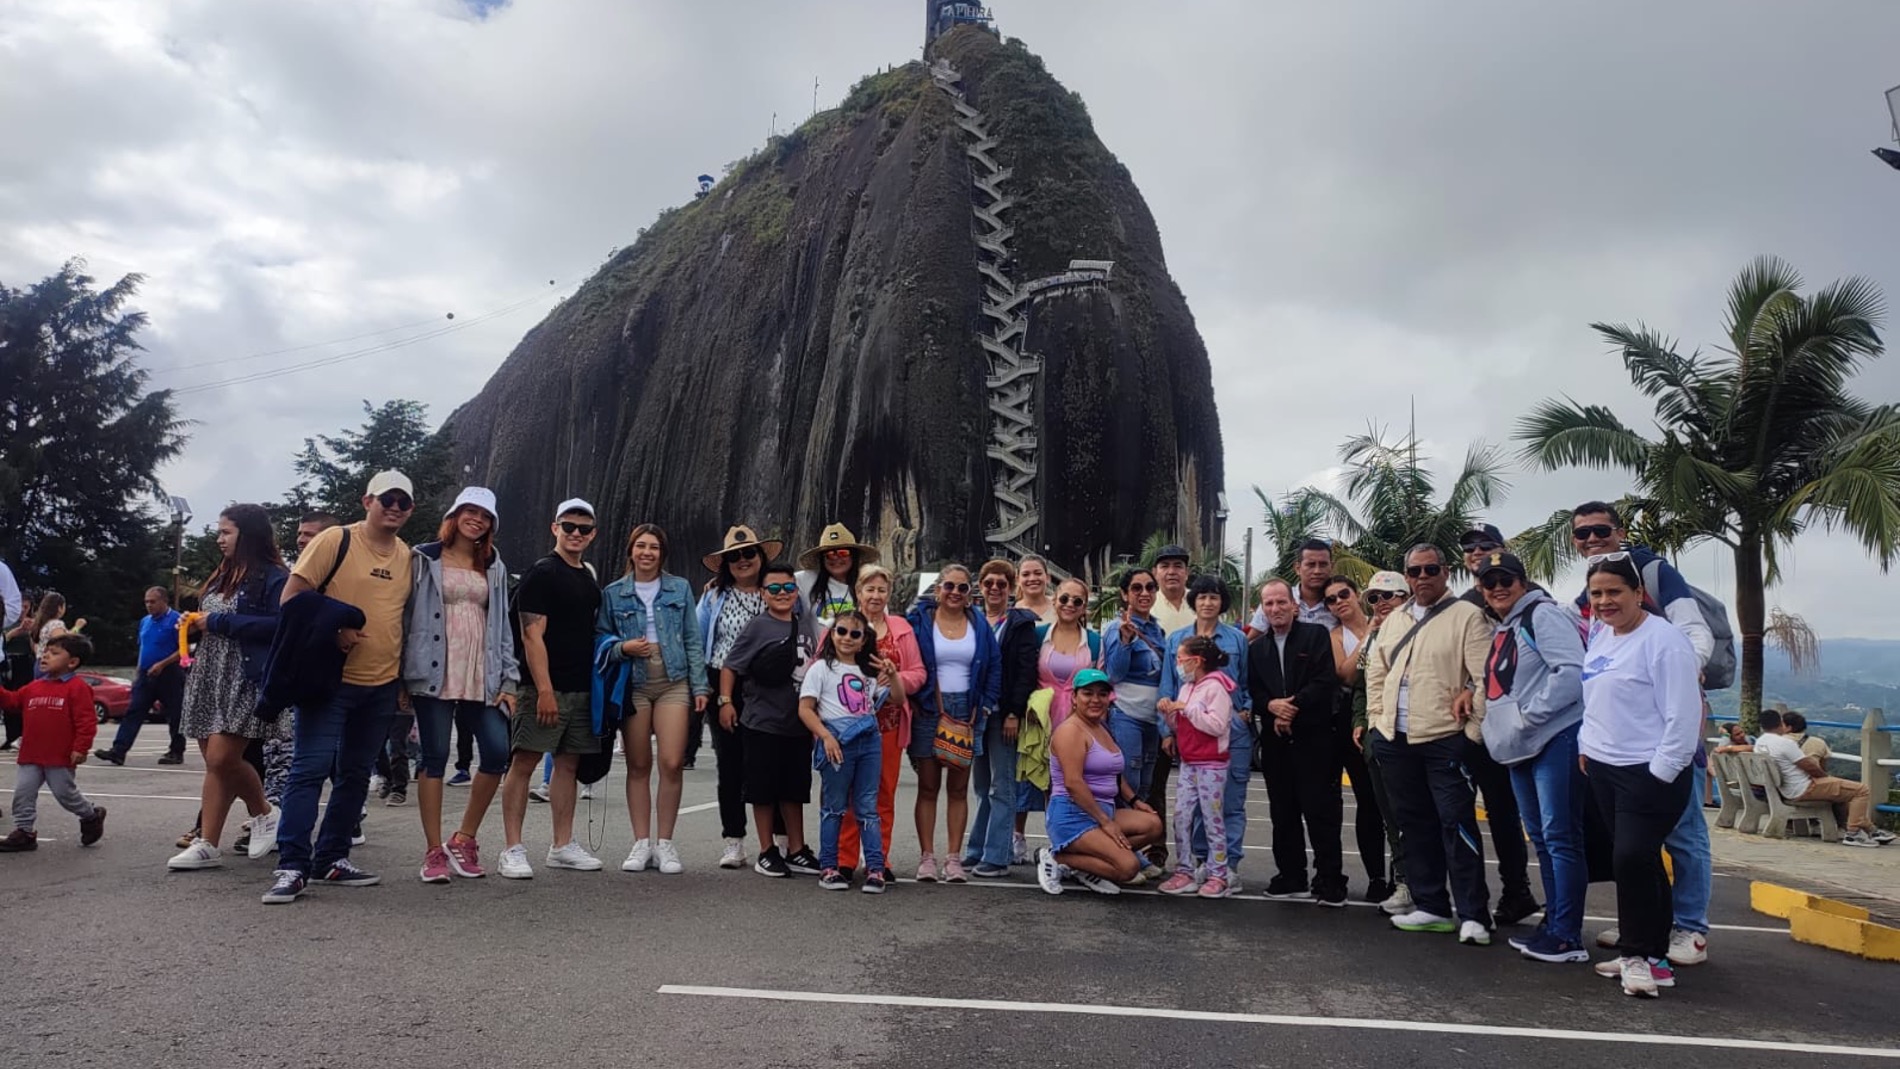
(425, 636)
(253, 620)
(682, 649)
(986, 672)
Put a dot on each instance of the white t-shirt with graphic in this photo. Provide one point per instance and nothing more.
(843, 691)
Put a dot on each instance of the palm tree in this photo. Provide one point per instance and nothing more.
(1106, 600)
(1758, 441)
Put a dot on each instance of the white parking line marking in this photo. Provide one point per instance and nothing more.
(1286, 1020)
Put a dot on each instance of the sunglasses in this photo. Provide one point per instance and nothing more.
(781, 588)
(395, 501)
(996, 584)
(1607, 558)
(1142, 588)
(1592, 530)
(1420, 571)
(570, 527)
(1497, 580)
(954, 588)
(1071, 599)
(848, 632)
(1378, 596)
(1480, 547)
(1334, 599)
(839, 552)
(733, 556)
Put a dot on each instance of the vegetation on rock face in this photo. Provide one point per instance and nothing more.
(799, 346)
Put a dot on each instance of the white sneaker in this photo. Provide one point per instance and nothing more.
(538, 792)
(1688, 948)
(1471, 933)
(572, 856)
(263, 834)
(1400, 903)
(199, 855)
(1607, 939)
(1019, 850)
(1636, 977)
(375, 783)
(1858, 837)
(514, 864)
(669, 858)
(639, 857)
(1048, 872)
(587, 792)
(734, 855)
(784, 847)
(1096, 883)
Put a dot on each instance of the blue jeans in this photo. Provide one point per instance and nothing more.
(342, 736)
(853, 783)
(1688, 846)
(1233, 808)
(1551, 793)
(993, 777)
(435, 720)
(1139, 743)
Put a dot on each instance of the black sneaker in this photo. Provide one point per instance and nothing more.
(803, 861)
(849, 872)
(1516, 906)
(91, 830)
(1378, 891)
(771, 863)
(1286, 888)
(288, 887)
(18, 841)
(109, 756)
(1330, 893)
(889, 876)
(345, 874)
(873, 884)
(172, 759)
(396, 797)
(833, 880)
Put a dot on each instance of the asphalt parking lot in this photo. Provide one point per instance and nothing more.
(115, 962)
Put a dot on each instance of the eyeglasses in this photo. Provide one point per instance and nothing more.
(1480, 547)
(570, 527)
(1420, 571)
(1142, 588)
(395, 501)
(1607, 558)
(1592, 530)
(1497, 580)
(1334, 599)
(954, 588)
(781, 588)
(733, 556)
(1378, 596)
(838, 552)
(1071, 599)
(996, 583)
(848, 632)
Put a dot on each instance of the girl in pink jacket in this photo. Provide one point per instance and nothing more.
(1200, 716)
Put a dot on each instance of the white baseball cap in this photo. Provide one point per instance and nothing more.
(481, 497)
(384, 481)
(572, 504)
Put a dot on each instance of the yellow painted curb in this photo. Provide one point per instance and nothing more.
(1825, 922)
(1776, 900)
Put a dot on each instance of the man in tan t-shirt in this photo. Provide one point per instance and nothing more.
(346, 734)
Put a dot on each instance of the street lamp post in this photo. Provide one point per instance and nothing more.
(1888, 156)
(181, 515)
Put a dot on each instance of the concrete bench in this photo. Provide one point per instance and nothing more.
(1760, 770)
(1740, 808)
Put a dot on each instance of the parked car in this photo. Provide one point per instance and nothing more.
(110, 696)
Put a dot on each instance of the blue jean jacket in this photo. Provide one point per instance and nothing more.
(623, 616)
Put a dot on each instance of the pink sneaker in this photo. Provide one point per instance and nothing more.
(927, 870)
(465, 857)
(1215, 887)
(1181, 883)
(435, 866)
(953, 871)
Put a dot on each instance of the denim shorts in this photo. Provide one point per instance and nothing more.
(923, 724)
(434, 720)
(1068, 822)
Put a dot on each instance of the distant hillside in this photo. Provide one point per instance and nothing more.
(1854, 672)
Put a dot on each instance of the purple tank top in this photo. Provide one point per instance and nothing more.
(1100, 769)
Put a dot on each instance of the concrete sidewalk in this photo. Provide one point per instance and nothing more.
(1866, 878)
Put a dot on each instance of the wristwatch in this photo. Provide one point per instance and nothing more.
(725, 699)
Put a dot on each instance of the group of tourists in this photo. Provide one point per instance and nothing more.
(1570, 718)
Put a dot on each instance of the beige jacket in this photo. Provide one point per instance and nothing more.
(1446, 657)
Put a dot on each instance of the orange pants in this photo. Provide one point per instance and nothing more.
(892, 763)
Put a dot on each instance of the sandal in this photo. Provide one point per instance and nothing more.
(189, 837)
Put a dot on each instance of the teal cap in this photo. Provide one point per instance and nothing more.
(1089, 677)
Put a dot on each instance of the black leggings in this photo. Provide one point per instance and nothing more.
(1368, 820)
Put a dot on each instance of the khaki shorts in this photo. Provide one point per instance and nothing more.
(658, 690)
(571, 732)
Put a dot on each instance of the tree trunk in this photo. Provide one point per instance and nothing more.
(1750, 617)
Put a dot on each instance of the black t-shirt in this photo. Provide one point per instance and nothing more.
(570, 598)
(770, 658)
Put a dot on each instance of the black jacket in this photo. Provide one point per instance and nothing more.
(305, 666)
(1310, 678)
(1021, 651)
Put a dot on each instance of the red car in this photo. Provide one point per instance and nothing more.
(110, 695)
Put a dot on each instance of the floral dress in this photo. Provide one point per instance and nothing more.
(465, 619)
(218, 699)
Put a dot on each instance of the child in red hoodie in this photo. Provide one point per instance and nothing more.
(56, 735)
(1200, 717)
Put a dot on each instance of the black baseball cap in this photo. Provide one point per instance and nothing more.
(1172, 551)
(1480, 532)
(1501, 561)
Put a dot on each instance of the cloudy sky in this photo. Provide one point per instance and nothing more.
(1365, 203)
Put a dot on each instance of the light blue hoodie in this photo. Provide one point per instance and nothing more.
(1545, 692)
